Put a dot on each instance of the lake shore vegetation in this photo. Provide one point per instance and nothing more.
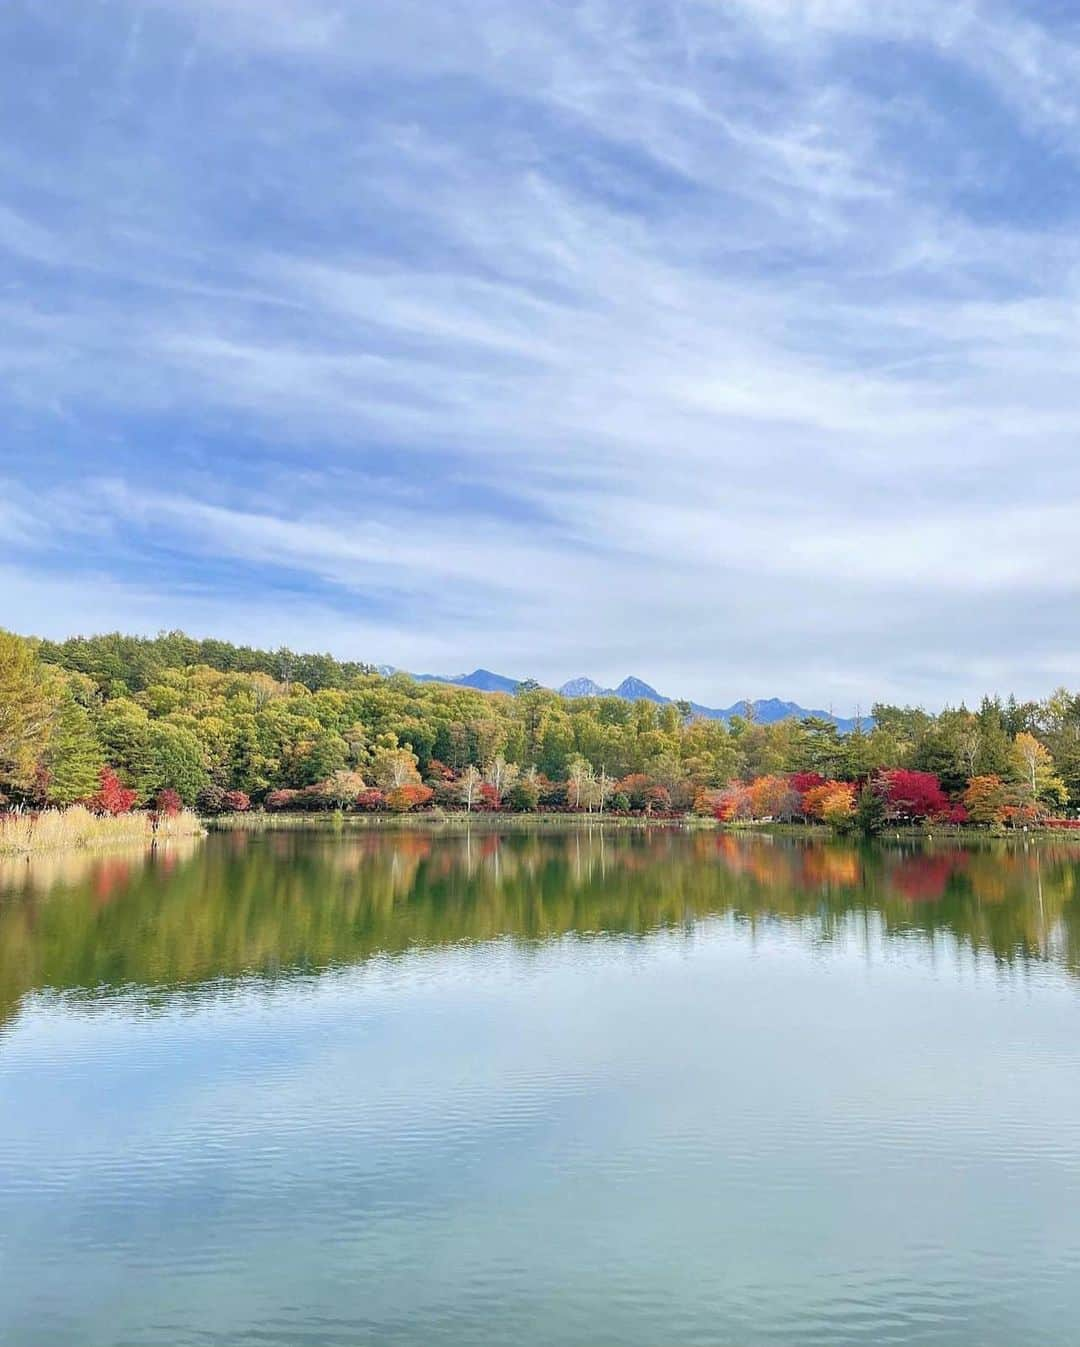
(115, 724)
(33, 832)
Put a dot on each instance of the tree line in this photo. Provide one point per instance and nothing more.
(121, 720)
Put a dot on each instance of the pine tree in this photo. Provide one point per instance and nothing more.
(870, 811)
(73, 758)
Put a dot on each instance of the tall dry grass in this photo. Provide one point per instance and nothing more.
(24, 834)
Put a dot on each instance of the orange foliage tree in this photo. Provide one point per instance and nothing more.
(404, 798)
(985, 800)
(833, 803)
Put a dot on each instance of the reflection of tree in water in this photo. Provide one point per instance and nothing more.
(280, 903)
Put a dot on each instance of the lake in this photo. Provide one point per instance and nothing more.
(646, 1088)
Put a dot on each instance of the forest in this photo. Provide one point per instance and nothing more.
(118, 722)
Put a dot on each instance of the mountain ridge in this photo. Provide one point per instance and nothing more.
(766, 710)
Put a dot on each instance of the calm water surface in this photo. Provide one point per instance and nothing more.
(546, 1091)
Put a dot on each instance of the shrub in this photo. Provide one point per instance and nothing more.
(369, 800)
(168, 802)
(341, 789)
(278, 800)
(211, 800)
(524, 796)
(112, 797)
(733, 803)
(438, 773)
(635, 787)
(237, 801)
(402, 799)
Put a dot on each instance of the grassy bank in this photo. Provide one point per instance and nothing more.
(27, 834)
(457, 822)
(434, 821)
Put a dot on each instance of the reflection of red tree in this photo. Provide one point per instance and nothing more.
(110, 876)
(923, 878)
(166, 861)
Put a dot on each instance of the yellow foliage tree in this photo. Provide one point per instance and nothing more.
(1034, 765)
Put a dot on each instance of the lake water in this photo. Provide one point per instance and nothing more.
(547, 1091)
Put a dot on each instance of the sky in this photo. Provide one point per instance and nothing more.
(732, 344)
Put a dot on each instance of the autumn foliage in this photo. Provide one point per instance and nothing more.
(832, 803)
(403, 799)
(112, 797)
(914, 795)
(985, 800)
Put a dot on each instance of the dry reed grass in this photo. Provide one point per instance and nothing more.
(24, 834)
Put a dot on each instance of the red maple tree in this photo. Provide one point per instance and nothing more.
(112, 797)
(915, 795)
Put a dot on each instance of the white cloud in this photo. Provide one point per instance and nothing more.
(609, 339)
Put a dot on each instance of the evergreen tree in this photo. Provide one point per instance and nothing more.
(73, 760)
(870, 811)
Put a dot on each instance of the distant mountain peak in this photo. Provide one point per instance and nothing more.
(582, 687)
(766, 710)
(636, 690)
(486, 681)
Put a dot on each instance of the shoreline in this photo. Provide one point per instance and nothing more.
(256, 823)
(57, 832)
(457, 822)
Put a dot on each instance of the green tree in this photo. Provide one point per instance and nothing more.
(870, 811)
(175, 763)
(326, 754)
(123, 730)
(994, 755)
(524, 795)
(72, 759)
(27, 707)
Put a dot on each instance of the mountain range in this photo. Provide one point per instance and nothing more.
(766, 711)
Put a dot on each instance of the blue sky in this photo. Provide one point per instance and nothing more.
(732, 344)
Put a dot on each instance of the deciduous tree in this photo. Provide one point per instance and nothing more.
(112, 796)
(1035, 768)
(27, 708)
(985, 800)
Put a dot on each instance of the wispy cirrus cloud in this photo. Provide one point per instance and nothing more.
(731, 344)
